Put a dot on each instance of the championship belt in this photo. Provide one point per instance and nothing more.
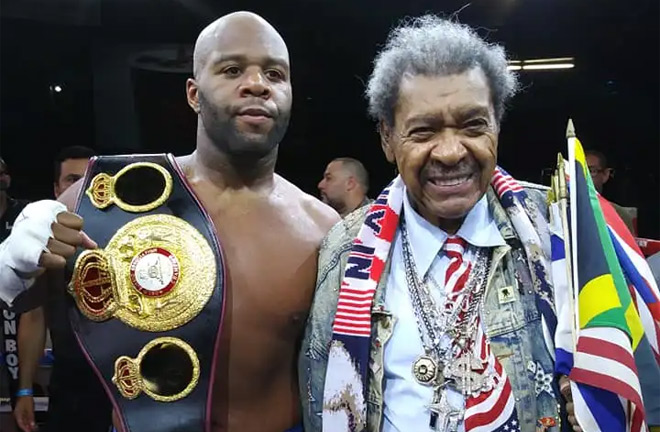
(147, 305)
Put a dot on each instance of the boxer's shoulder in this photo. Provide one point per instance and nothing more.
(320, 213)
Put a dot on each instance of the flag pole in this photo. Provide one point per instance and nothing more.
(561, 196)
(571, 203)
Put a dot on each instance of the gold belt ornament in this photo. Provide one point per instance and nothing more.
(166, 369)
(119, 189)
(156, 274)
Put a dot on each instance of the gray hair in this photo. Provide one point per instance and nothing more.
(430, 45)
(356, 169)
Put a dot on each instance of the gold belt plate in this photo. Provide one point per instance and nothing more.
(156, 274)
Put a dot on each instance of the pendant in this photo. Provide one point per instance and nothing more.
(468, 375)
(426, 371)
(444, 416)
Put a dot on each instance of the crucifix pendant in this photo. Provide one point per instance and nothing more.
(444, 416)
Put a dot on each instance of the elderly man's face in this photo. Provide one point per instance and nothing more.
(444, 143)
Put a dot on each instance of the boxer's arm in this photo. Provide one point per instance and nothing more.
(31, 343)
(44, 235)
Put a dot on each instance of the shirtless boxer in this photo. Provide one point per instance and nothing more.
(270, 231)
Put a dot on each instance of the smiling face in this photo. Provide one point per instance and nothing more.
(444, 143)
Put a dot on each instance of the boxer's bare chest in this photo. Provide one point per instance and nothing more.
(270, 246)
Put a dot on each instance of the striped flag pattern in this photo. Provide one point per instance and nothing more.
(493, 409)
(638, 274)
(563, 338)
(364, 266)
(458, 270)
(605, 384)
(348, 357)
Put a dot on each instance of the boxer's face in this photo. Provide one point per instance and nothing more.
(244, 89)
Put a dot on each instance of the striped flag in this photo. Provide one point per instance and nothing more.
(605, 384)
(563, 338)
(494, 410)
(642, 284)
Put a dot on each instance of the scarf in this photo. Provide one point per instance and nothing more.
(346, 382)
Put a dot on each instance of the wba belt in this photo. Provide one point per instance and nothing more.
(147, 305)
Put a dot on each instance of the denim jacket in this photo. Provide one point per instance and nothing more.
(514, 327)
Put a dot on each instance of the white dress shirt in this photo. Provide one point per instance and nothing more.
(405, 400)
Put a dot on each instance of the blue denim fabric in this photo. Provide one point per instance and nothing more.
(514, 328)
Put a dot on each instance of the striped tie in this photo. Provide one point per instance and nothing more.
(494, 410)
(458, 270)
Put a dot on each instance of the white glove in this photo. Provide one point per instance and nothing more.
(21, 251)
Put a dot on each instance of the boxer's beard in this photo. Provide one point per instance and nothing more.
(220, 126)
(4, 185)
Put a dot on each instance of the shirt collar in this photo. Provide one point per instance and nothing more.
(426, 240)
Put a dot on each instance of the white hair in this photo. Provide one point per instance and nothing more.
(434, 46)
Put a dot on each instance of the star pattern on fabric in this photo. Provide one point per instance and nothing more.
(510, 426)
(542, 380)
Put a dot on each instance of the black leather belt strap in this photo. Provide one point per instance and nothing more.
(103, 342)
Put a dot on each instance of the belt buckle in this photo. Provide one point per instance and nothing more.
(155, 274)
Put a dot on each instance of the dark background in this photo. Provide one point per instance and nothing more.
(612, 94)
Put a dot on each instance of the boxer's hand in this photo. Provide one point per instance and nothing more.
(67, 235)
(565, 389)
(43, 236)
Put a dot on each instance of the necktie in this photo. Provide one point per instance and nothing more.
(458, 269)
(492, 410)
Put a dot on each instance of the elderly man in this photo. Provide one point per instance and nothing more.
(427, 314)
(345, 185)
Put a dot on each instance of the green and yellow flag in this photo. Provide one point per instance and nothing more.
(604, 299)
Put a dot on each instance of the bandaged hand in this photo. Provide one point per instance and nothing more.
(44, 235)
(66, 237)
